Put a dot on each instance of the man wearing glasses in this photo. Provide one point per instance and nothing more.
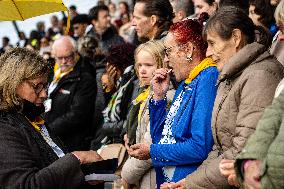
(71, 96)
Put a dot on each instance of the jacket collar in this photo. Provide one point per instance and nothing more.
(107, 34)
(248, 55)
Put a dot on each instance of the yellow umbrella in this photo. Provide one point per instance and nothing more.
(24, 9)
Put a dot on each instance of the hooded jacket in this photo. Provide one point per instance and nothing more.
(246, 85)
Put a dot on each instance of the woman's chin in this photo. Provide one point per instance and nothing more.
(39, 104)
(144, 82)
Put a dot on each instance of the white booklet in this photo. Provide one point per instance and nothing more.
(104, 177)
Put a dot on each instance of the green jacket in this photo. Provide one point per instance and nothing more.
(267, 145)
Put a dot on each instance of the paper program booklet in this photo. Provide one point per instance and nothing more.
(104, 177)
(101, 170)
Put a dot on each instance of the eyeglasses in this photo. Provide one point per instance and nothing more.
(169, 49)
(38, 87)
(67, 58)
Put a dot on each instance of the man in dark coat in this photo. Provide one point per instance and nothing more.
(105, 33)
(69, 108)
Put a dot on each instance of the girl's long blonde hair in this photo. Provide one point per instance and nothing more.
(156, 49)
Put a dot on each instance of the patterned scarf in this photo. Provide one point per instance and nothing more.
(113, 110)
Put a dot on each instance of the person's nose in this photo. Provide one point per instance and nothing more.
(63, 60)
(209, 52)
(133, 22)
(142, 70)
(108, 18)
(166, 60)
(43, 93)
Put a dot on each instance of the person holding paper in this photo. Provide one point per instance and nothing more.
(31, 157)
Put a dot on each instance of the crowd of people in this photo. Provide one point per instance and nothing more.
(185, 93)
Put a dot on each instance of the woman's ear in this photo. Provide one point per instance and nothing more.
(153, 20)
(237, 38)
(180, 15)
(214, 7)
(189, 49)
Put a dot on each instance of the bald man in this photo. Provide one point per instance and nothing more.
(71, 96)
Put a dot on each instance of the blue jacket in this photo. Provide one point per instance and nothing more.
(191, 127)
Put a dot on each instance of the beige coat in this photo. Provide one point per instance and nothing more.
(141, 172)
(277, 48)
(246, 86)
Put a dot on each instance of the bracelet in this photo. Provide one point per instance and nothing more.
(77, 158)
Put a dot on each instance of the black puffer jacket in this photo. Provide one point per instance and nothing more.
(100, 104)
(72, 107)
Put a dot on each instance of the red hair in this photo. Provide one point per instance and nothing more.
(190, 30)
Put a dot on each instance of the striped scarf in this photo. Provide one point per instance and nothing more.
(113, 110)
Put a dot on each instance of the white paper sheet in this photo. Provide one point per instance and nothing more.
(104, 177)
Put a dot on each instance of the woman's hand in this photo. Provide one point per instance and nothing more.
(95, 182)
(140, 151)
(160, 83)
(126, 185)
(227, 169)
(252, 174)
(126, 142)
(172, 185)
(87, 156)
(112, 73)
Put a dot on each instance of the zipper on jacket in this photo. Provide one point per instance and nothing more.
(227, 84)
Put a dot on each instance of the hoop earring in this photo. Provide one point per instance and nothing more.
(189, 58)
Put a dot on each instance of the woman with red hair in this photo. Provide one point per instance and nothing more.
(181, 132)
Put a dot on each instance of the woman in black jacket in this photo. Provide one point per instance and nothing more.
(30, 156)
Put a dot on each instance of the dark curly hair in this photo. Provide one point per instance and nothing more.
(121, 56)
(94, 12)
(265, 10)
